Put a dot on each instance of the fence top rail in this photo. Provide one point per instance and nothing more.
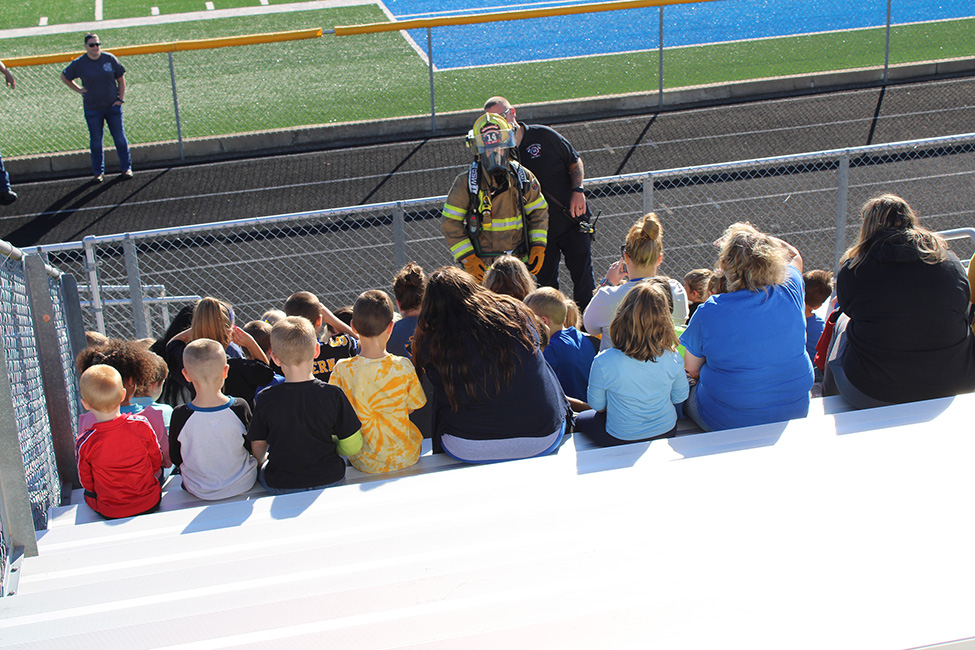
(406, 204)
(175, 46)
(499, 16)
(11, 252)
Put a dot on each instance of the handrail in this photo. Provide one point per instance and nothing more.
(175, 46)
(499, 16)
(11, 252)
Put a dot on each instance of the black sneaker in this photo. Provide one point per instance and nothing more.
(8, 197)
(126, 175)
(99, 178)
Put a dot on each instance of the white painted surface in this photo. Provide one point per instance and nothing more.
(838, 531)
(154, 11)
(209, 6)
(42, 22)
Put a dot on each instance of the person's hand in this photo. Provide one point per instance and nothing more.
(536, 257)
(577, 205)
(474, 266)
(616, 273)
(10, 78)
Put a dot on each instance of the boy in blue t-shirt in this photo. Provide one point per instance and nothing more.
(569, 351)
(819, 287)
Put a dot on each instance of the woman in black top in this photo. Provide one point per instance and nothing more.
(904, 334)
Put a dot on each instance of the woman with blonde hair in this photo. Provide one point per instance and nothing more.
(633, 387)
(214, 319)
(509, 276)
(641, 255)
(746, 348)
(903, 334)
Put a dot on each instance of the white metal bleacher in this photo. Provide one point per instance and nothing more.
(840, 530)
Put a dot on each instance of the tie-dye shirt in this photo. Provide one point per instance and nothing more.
(382, 392)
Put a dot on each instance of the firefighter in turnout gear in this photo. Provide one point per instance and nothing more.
(496, 206)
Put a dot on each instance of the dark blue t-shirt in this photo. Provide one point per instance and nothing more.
(570, 354)
(756, 368)
(401, 340)
(98, 78)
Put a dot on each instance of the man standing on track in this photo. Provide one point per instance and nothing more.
(7, 195)
(558, 167)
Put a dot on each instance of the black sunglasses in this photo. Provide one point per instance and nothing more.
(94, 45)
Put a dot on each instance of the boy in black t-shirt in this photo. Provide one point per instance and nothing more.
(305, 423)
(332, 348)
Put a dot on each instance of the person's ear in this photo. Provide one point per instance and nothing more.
(186, 375)
(226, 369)
(275, 359)
(389, 328)
(352, 325)
(85, 404)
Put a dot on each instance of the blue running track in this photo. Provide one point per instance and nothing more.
(638, 29)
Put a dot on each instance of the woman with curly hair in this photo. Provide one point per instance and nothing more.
(903, 334)
(494, 396)
(747, 347)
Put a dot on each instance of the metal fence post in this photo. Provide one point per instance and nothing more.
(15, 508)
(660, 62)
(73, 317)
(135, 287)
(399, 235)
(93, 290)
(887, 45)
(648, 194)
(433, 106)
(52, 373)
(842, 188)
(179, 128)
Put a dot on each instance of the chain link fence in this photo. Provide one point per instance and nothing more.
(811, 200)
(287, 85)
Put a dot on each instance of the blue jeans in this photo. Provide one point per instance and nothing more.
(4, 179)
(278, 491)
(97, 119)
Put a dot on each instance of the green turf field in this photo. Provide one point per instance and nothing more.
(337, 79)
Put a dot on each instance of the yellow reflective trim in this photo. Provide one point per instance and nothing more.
(503, 224)
(462, 249)
(453, 212)
(537, 204)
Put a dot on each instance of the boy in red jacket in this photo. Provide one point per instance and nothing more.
(119, 459)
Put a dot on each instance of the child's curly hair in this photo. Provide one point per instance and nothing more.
(130, 358)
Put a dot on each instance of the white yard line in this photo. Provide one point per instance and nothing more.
(181, 18)
(99, 13)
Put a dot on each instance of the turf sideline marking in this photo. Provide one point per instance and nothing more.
(70, 28)
(99, 9)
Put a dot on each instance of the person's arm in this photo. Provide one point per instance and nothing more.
(81, 90)
(578, 406)
(577, 175)
(259, 450)
(121, 90)
(331, 319)
(245, 340)
(693, 365)
(791, 252)
(349, 446)
(6, 73)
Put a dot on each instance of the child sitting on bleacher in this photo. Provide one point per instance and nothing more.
(569, 351)
(818, 287)
(305, 423)
(696, 287)
(383, 389)
(119, 460)
(206, 440)
(148, 396)
(260, 331)
(634, 387)
(333, 348)
(136, 367)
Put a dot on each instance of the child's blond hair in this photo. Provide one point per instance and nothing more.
(643, 328)
(272, 316)
(212, 319)
(698, 281)
(101, 388)
(550, 303)
(204, 359)
(508, 275)
(293, 340)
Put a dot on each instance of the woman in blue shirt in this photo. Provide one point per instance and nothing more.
(747, 347)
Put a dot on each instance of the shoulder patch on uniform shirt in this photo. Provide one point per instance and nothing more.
(534, 150)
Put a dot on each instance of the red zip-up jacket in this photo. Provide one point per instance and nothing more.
(118, 464)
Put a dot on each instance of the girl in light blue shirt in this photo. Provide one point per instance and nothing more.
(633, 387)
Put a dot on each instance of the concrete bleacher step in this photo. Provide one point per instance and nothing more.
(849, 527)
(175, 498)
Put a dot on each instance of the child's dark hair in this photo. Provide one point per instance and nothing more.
(408, 286)
(133, 362)
(344, 314)
(698, 281)
(664, 282)
(304, 304)
(372, 313)
(260, 331)
(819, 286)
(717, 284)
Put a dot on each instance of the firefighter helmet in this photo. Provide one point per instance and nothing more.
(493, 137)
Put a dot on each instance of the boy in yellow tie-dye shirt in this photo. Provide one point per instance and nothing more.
(383, 389)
